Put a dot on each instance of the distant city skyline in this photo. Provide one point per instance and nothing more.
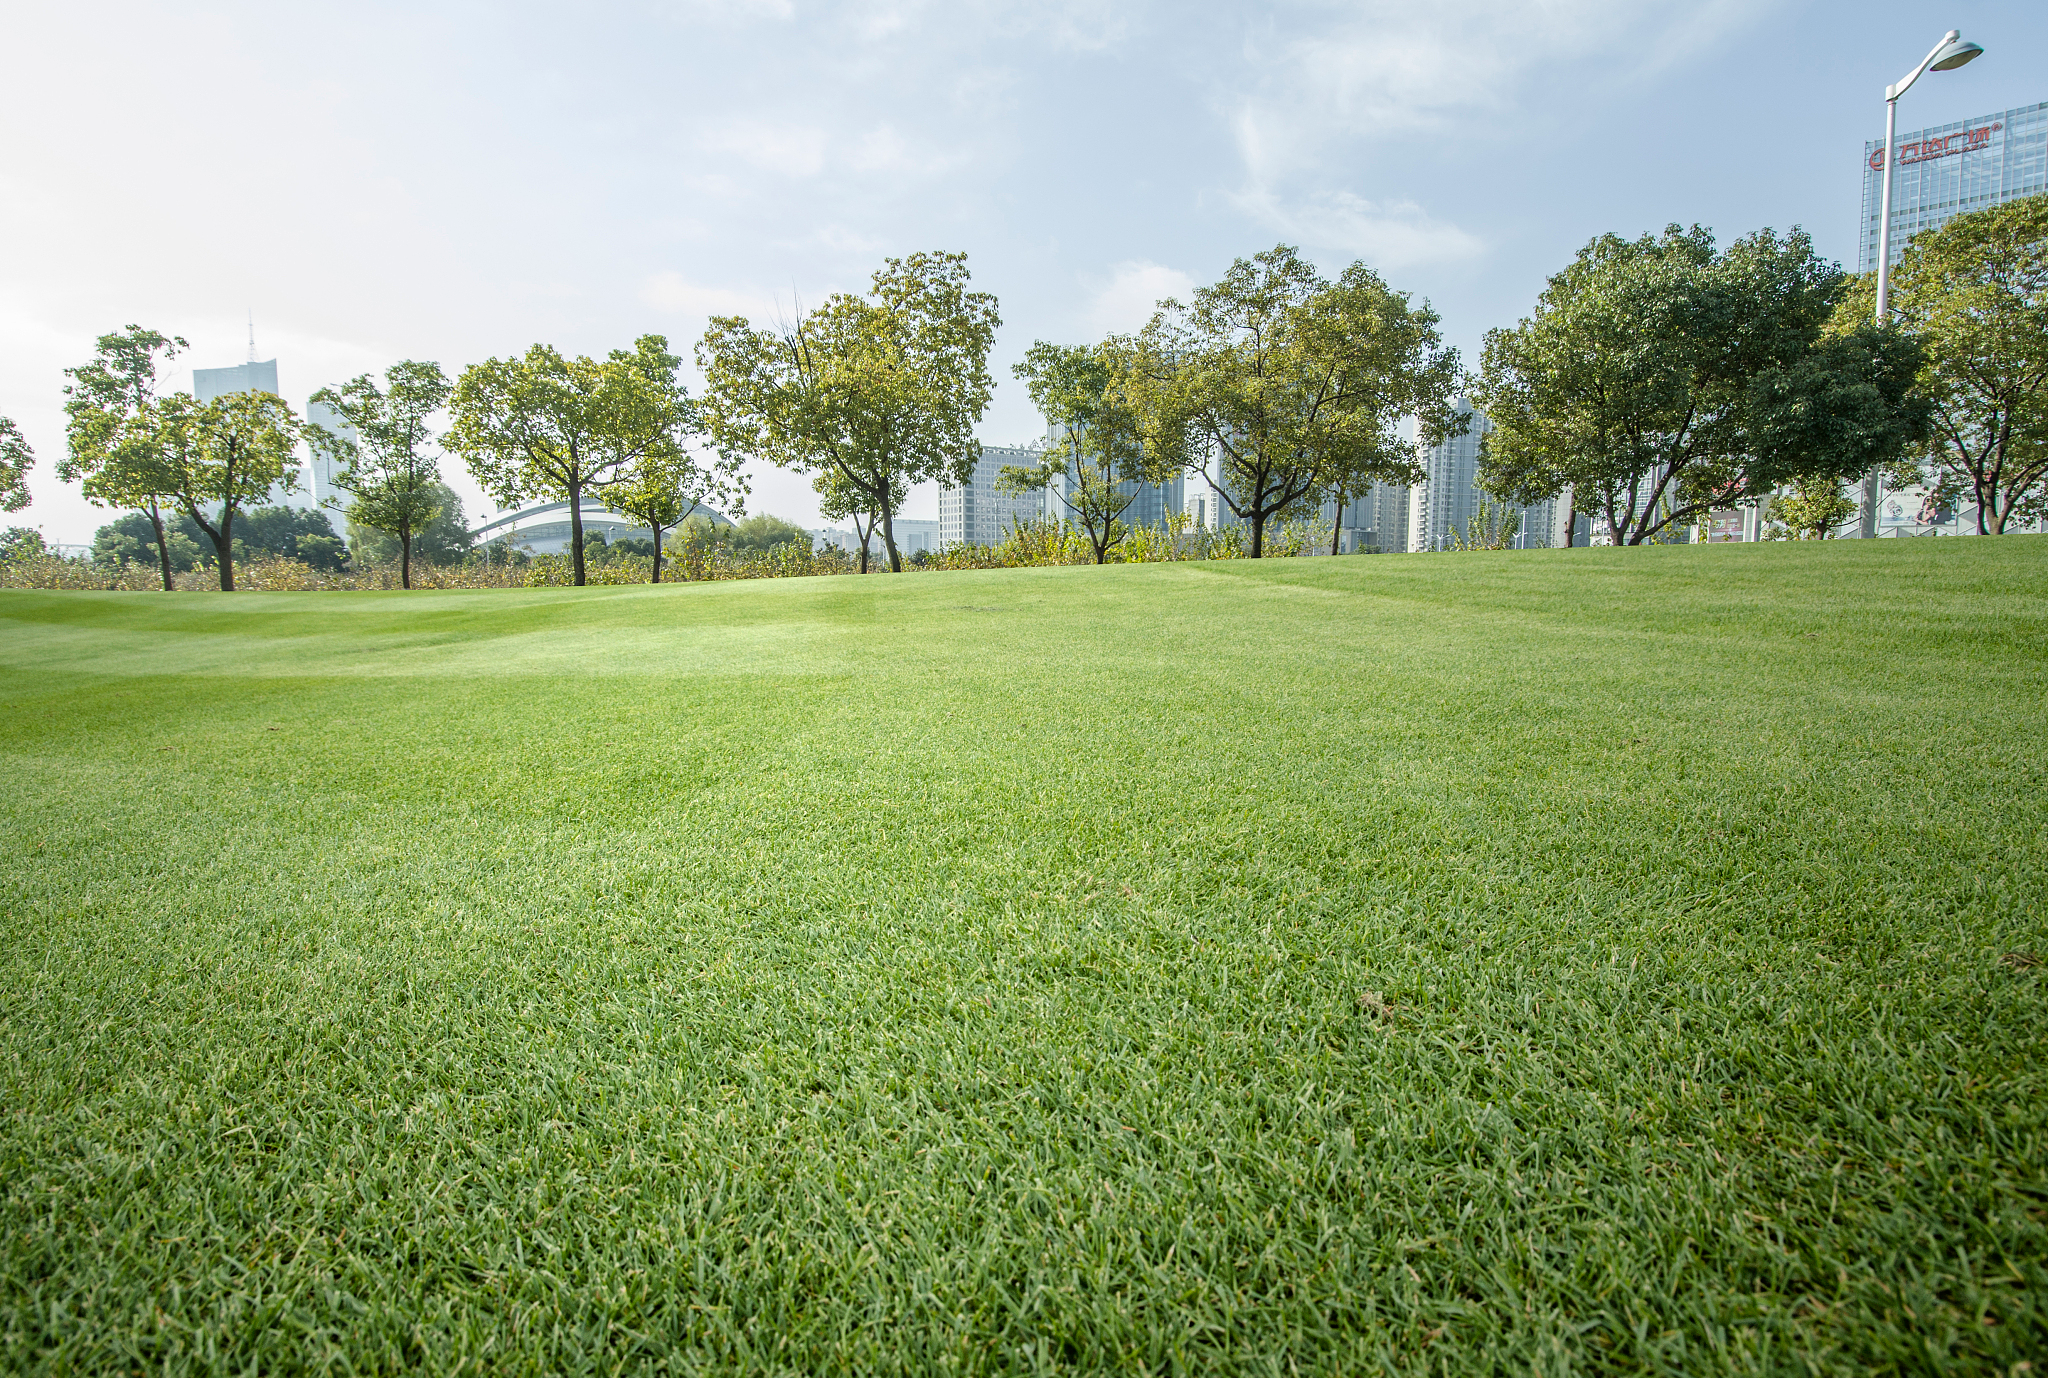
(747, 156)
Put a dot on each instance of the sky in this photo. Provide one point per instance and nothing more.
(456, 181)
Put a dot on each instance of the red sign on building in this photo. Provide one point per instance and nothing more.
(1947, 146)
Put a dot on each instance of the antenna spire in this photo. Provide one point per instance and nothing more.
(252, 334)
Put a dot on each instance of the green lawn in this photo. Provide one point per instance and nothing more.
(1538, 962)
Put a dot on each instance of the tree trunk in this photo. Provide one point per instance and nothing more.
(163, 548)
(1337, 524)
(222, 538)
(224, 548)
(1571, 517)
(889, 541)
(576, 530)
(1258, 535)
(657, 552)
(405, 556)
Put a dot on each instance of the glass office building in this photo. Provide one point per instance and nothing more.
(979, 515)
(1952, 168)
(209, 383)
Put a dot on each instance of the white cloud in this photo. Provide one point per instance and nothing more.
(1126, 302)
(883, 149)
(793, 150)
(1386, 234)
(671, 291)
(1380, 69)
(1086, 26)
(737, 10)
(1326, 84)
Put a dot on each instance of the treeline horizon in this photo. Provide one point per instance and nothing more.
(1657, 380)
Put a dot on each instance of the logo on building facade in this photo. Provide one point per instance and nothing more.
(1947, 146)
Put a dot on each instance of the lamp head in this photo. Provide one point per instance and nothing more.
(1954, 54)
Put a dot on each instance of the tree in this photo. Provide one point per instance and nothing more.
(1973, 294)
(839, 500)
(1661, 379)
(669, 484)
(1293, 385)
(297, 533)
(881, 391)
(444, 540)
(1812, 510)
(21, 543)
(16, 459)
(134, 537)
(222, 454)
(544, 425)
(386, 466)
(114, 449)
(1100, 463)
(763, 532)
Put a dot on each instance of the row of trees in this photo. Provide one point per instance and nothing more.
(539, 425)
(1657, 380)
(1660, 378)
(1278, 385)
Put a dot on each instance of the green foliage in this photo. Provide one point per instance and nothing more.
(293, 533)
(224, 454)
(1292, 387)
(1085, 391)
(878, 392)
(549, 426)
(1809, 512)
(132, 539)
(16, 459)
(21, 543)
(1493, 527)
(1973, 295)
(116, 447)
(670, 485)
(1566, 965)
(842, 500)
(763, 532)
(444, 540)
(1659, 379)
(383, 459)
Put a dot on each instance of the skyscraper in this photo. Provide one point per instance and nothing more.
(209, 383)
(1446, 503)
(979, 515)
(1952, 168)
(317, 482)
(1150, 502)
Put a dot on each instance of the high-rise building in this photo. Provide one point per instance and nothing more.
(1150, 502)
(209, 383)
(1448, 498)
(979, 515)
(316, 485)
(316, 480)
(1441, 509)
(1375, 521)
(254, 376)
(1952, 168)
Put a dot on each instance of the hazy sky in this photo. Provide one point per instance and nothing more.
(451, 181)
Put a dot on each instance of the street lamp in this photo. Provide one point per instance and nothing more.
(1948, 55)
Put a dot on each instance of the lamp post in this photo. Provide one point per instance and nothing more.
(1948, 55)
